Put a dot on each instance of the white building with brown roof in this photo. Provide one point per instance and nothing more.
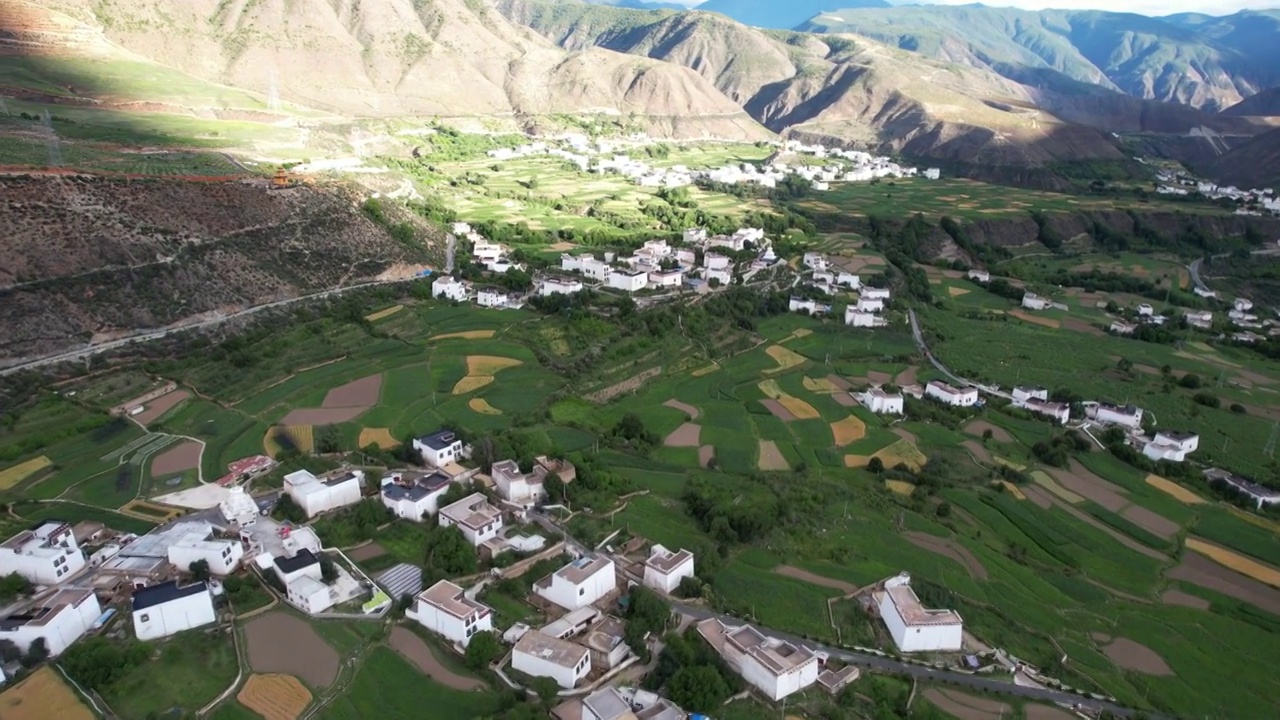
(445, 610)
(474, 516)
(580, 583)
(664, 569)
(541, 655)
(913, 627)
(775, 667)
(950, 395)
(516, 486)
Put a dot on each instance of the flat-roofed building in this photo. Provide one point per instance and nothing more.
(58, 616)
(775, 667)
(445, 610)
(518, 487)
(950, 395)
(880, 402)
(474, 516)
(47, 554)
(316, 495)
(165, 609)
(440, 448)
(915, 628)
(578, 584)
(413, 495)
(664, 569)
(541, 655)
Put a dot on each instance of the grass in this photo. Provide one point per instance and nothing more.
(191, 669)
(388, 686)
(33, 512)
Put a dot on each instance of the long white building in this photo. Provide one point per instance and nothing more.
(317, 495)
(578, 584)
(166, 609)
(59, 617)
(223, 556)
(914, 628)
(445, 610)
(46, 554)
(774, 667)
(541, 655)
(950, 395)
(1128, 416)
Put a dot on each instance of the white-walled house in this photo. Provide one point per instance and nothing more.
(1061, 412)
(950, 395)
(874, 293)
(849, 280)
(59, 616)
(628, 280)
(474, 516)
(666, 278)
(1022, 393)
(310, 595)
(493, 298)
(541, 655)
(46, 554)
(518, 487)
(774, 667)
(166, 609)
(223, 556)
(979, 276)
(445, 610)
(814, 261)
(723, 276)
(856, 318)
(663, 569)
(450, 288)
(1031, 301)
(870, 305)
(317, 495)
(716, 261)
(559, 286)
(440, 448)
(1125, 415)
(238, 507)
(578, 584)
(913, 627)
(1172, 446)
(413, 496)
(880, 402)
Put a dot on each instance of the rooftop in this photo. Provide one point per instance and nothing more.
(1122, 409)
(472, 511)
(914, 614)
(562, 627)
(775, 655)
(1173, 435)
(950, 389)
(439, 440)
(302, 559)
(580, 570)
(415, 486)
(559, 652)
(607, 704)
(449, 598)
(606, 635)
(157, 542)
(165, 592)
(45, 608)
(307, 586)
(665, 561)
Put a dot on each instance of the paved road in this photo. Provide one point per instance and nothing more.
(875, 662)
(91, 350)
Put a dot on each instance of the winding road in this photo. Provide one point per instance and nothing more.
(924, 348)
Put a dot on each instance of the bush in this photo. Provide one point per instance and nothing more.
(1207, 399)
(1237, 408)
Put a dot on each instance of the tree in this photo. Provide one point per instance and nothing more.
(37, 653)
(328, 571)
(99, 661)
(875, 465)
(987, 434)
(449, 552)
(698, 689)
(9, 652)
(1191, 381)
(483, 649)
(546, 688)
(288, 510)
(12, 586)
(199, 570)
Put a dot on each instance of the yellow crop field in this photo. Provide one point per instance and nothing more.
(1043, 480)
(770, 389)
(1009, 463)
(1253, 519)
(15, 474)
(802, 332)
(705, 371)
(954, 291)
(1014, 490)
(384, 313)
(483, 407)
(785, 357)
(1178, 492)
(821, 386)
(903, 451)
(488, 364)
(380, 437)
(1241, 564)
(43, 695)
(848, 430)
(856, 461)
(900, 487)
(471, 383)
(465, 335)
(801, 409)
(303, 437)
(275, 697)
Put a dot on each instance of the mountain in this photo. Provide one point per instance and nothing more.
(1252, 164)
(1197, 60)
(387, 58)
(1264, 104)
(781, 14)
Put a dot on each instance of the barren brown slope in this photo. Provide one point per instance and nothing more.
(408, 57)
(86, 257)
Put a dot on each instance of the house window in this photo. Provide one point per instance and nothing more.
(582, 591)
(145, 618)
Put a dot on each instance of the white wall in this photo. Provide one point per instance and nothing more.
(443, 456)
(416, 510)
(309, 598)
(222, 556)
(775, 686)
(451, 627)
(667, 583)
(919, 639)
(571, 597)
(538, 667)
(174, 616)
(61, 630)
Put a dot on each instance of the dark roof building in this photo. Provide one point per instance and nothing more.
(302, 559)
(165, 592)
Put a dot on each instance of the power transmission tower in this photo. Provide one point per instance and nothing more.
(55, 149)
(1270, 448)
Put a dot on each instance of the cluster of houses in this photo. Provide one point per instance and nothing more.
(658, 265)
(826, 276)
(1252, 202)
